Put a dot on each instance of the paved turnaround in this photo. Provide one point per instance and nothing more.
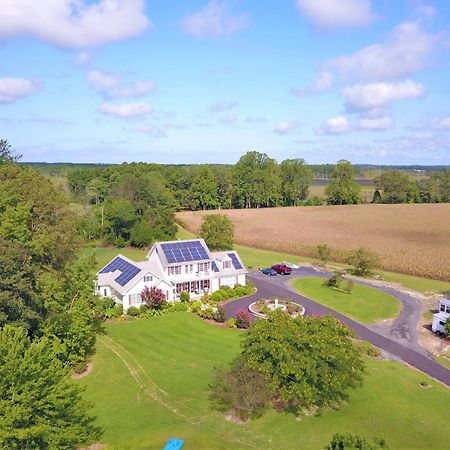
(398, 346)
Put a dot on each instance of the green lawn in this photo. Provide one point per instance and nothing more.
(106, 254)
(365, 304)
(150, 382)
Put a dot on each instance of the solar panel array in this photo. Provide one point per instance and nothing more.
(177, 252)
(128, 270)
(214, 266)
(235, 261)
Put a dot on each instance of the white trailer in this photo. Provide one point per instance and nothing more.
(438, 324)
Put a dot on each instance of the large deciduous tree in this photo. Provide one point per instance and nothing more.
(218, 231)
(7, 154)
(343, 189)
(310, 362)
(397, 187)
(204, 190)
(39, 406)
(295, 180)
(257, 181)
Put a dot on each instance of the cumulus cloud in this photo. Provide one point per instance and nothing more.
(223, 105)
(282, 128)
(322, 82)
(73, 23)
(214, 20)
(403, 54)
(338, 13)
(366, 96)
(341, 124)
(111, 85)
(335, 125)
(125, 110)
(12, 89)
(375, 124)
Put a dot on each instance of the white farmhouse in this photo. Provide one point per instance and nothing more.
(439, 318)
(173, 267)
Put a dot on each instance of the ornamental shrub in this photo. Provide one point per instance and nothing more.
(219, 314)
(207, 313)
(355, 442)
(154, 298)
(243, 319)
(176, 307)
(185, 296)
(231, 323)
(219, 296)
(133, 311)
(241, 291)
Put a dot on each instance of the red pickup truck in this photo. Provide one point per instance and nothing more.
(282, 269)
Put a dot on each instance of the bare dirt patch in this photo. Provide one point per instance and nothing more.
(85, 373)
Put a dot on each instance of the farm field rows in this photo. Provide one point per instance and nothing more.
(410, 239)
(150, 381)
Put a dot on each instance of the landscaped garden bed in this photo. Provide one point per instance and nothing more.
(262, 308)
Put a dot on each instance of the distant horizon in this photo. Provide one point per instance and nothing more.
(207, 80)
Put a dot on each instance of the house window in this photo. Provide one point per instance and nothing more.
(191, 268)
(227, 264)
(104, 293)
(171, 270)
(186, 269)
(134, 298)
(443, 308)
(148, 278)
(177, 270)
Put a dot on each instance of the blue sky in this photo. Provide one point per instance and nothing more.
(196, 81)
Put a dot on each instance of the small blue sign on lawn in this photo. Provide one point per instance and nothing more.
(174, 444)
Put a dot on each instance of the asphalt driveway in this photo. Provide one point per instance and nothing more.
(398, 340)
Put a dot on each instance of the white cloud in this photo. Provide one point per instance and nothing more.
(403, 54)
(436, 123)
(73, 23)
(335, 125)
(322, 82)
(282, 128)
(375, 124)
(83, 58)
(125, 110)
(366, 96)
(229, 118)
(337, 13)
(12, 89)
(110, 85)
(223, 105)
(214, 20)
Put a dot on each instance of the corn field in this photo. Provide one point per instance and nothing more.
(412, 239)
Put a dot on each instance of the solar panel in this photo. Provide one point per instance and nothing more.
(184, 251)
(214, 266)
(128, 270)
(235, 261)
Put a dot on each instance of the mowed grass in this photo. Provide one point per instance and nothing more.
(364, 304)
(410, 239)
(150, 382)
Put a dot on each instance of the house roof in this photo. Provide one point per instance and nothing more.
(122, 273)
(180, 252)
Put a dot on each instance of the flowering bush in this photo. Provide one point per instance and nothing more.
(154, 298)
(243, 319)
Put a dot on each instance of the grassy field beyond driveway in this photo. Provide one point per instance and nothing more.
(150, 382)
(364, 304)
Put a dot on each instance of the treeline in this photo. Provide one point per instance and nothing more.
(135, 203)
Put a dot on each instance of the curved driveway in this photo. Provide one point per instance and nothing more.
(399, 339)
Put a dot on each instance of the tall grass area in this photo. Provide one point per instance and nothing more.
(150, 382)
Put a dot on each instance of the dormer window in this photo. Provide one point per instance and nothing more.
(148, 278)
(227, 264)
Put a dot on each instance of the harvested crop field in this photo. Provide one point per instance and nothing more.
(412, 239)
